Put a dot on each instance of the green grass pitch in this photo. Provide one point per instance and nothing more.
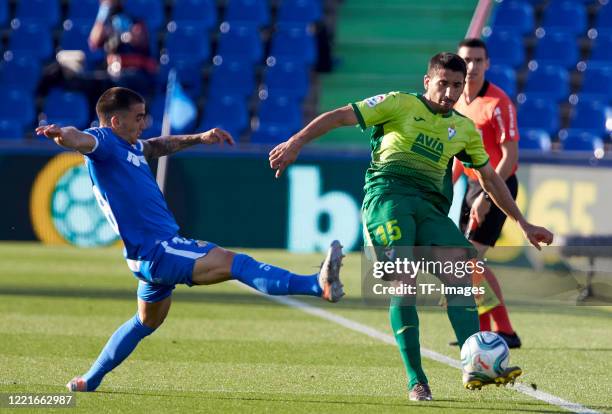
(226, 349)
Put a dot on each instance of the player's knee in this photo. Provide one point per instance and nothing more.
(215, 267)
(153, 314)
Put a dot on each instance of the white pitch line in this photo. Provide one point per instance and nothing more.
(427, 353)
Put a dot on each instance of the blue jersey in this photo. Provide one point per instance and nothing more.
(128, 194)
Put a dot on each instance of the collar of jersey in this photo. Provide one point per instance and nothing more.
(424, 102)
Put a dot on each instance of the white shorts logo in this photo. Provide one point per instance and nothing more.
(374, 100)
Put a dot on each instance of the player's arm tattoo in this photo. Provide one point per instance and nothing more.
(166, 145)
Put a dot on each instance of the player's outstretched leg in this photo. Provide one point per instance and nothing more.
(119, 346)
(273, 280)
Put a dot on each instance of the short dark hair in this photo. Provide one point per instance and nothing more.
(474, 42)
(446, 60)
(114, 100)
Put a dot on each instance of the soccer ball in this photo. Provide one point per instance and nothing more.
(485, 354)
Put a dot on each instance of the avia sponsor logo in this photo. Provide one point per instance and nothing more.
(428, 147)
(136, 159)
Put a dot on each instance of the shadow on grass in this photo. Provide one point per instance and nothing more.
(437, 404)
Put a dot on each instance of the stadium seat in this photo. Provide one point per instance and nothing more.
(43, 13)
(288, 79)
(558, 49)
(514, 16)
(601, 53)
(156, 112)
(188, 74)
(17, 106)
(197, 13)
(83, 12)
(21, 73)
(74, 37)
(66, 108)
(506, 49)
(295, 43)
(240, 42)
(534, 139)
(150, 11)
(188, 44)
(10, 130)
(604, 20)
(250, 12)
(4, 12)
(565, 16)
(231, 78)
(538, 114)
(279, 118)
(576, 140)
(588, 116)
(596, 85)
(31, 41)
(227, 112)
(299, 11)
(504, 77)
(548, 83)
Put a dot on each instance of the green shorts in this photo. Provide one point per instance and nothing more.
(408, 220)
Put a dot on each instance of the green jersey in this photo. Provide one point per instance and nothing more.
(413, 147)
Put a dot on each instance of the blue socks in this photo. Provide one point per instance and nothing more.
(118, 347)
(273, 280)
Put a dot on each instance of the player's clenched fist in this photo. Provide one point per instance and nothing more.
(216, 136)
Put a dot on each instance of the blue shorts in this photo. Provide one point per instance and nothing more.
(170, 262)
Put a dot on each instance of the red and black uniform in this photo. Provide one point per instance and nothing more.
(494, 115)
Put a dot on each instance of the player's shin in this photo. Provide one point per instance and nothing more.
(405, 324)
(119, 346)
(463, 315)
(273, 280)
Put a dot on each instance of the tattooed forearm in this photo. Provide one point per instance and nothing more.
(160, 146)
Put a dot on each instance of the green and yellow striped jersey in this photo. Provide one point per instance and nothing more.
(413, 147)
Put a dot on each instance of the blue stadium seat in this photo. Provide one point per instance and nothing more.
(558, 49)
(17, 106)
(589, 117)
(596, 85)
(279, 118)
(240, 42)
(253, 12)
(534, 139)
(197, 13)
(576, 140)
(189, 75)
(565, 16)
(601, 53)
(538, 114)
(4, 12)
(43, 13)
(299, 11)
(150, 11)
(83, 12)
(506, 49)
(548, 83)
(31, 41)
(227, 112)
(288, 79)
(10, 130)
(294, 42)
(188, 44)
(604, 20)
(74, 37)
(515, 17)
(66, 108)
(504, 77)
(21, 73)
(231, 78)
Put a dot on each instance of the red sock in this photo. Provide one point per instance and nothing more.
(499, 313)
(485, 321)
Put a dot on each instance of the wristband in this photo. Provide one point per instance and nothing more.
(103, 13)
